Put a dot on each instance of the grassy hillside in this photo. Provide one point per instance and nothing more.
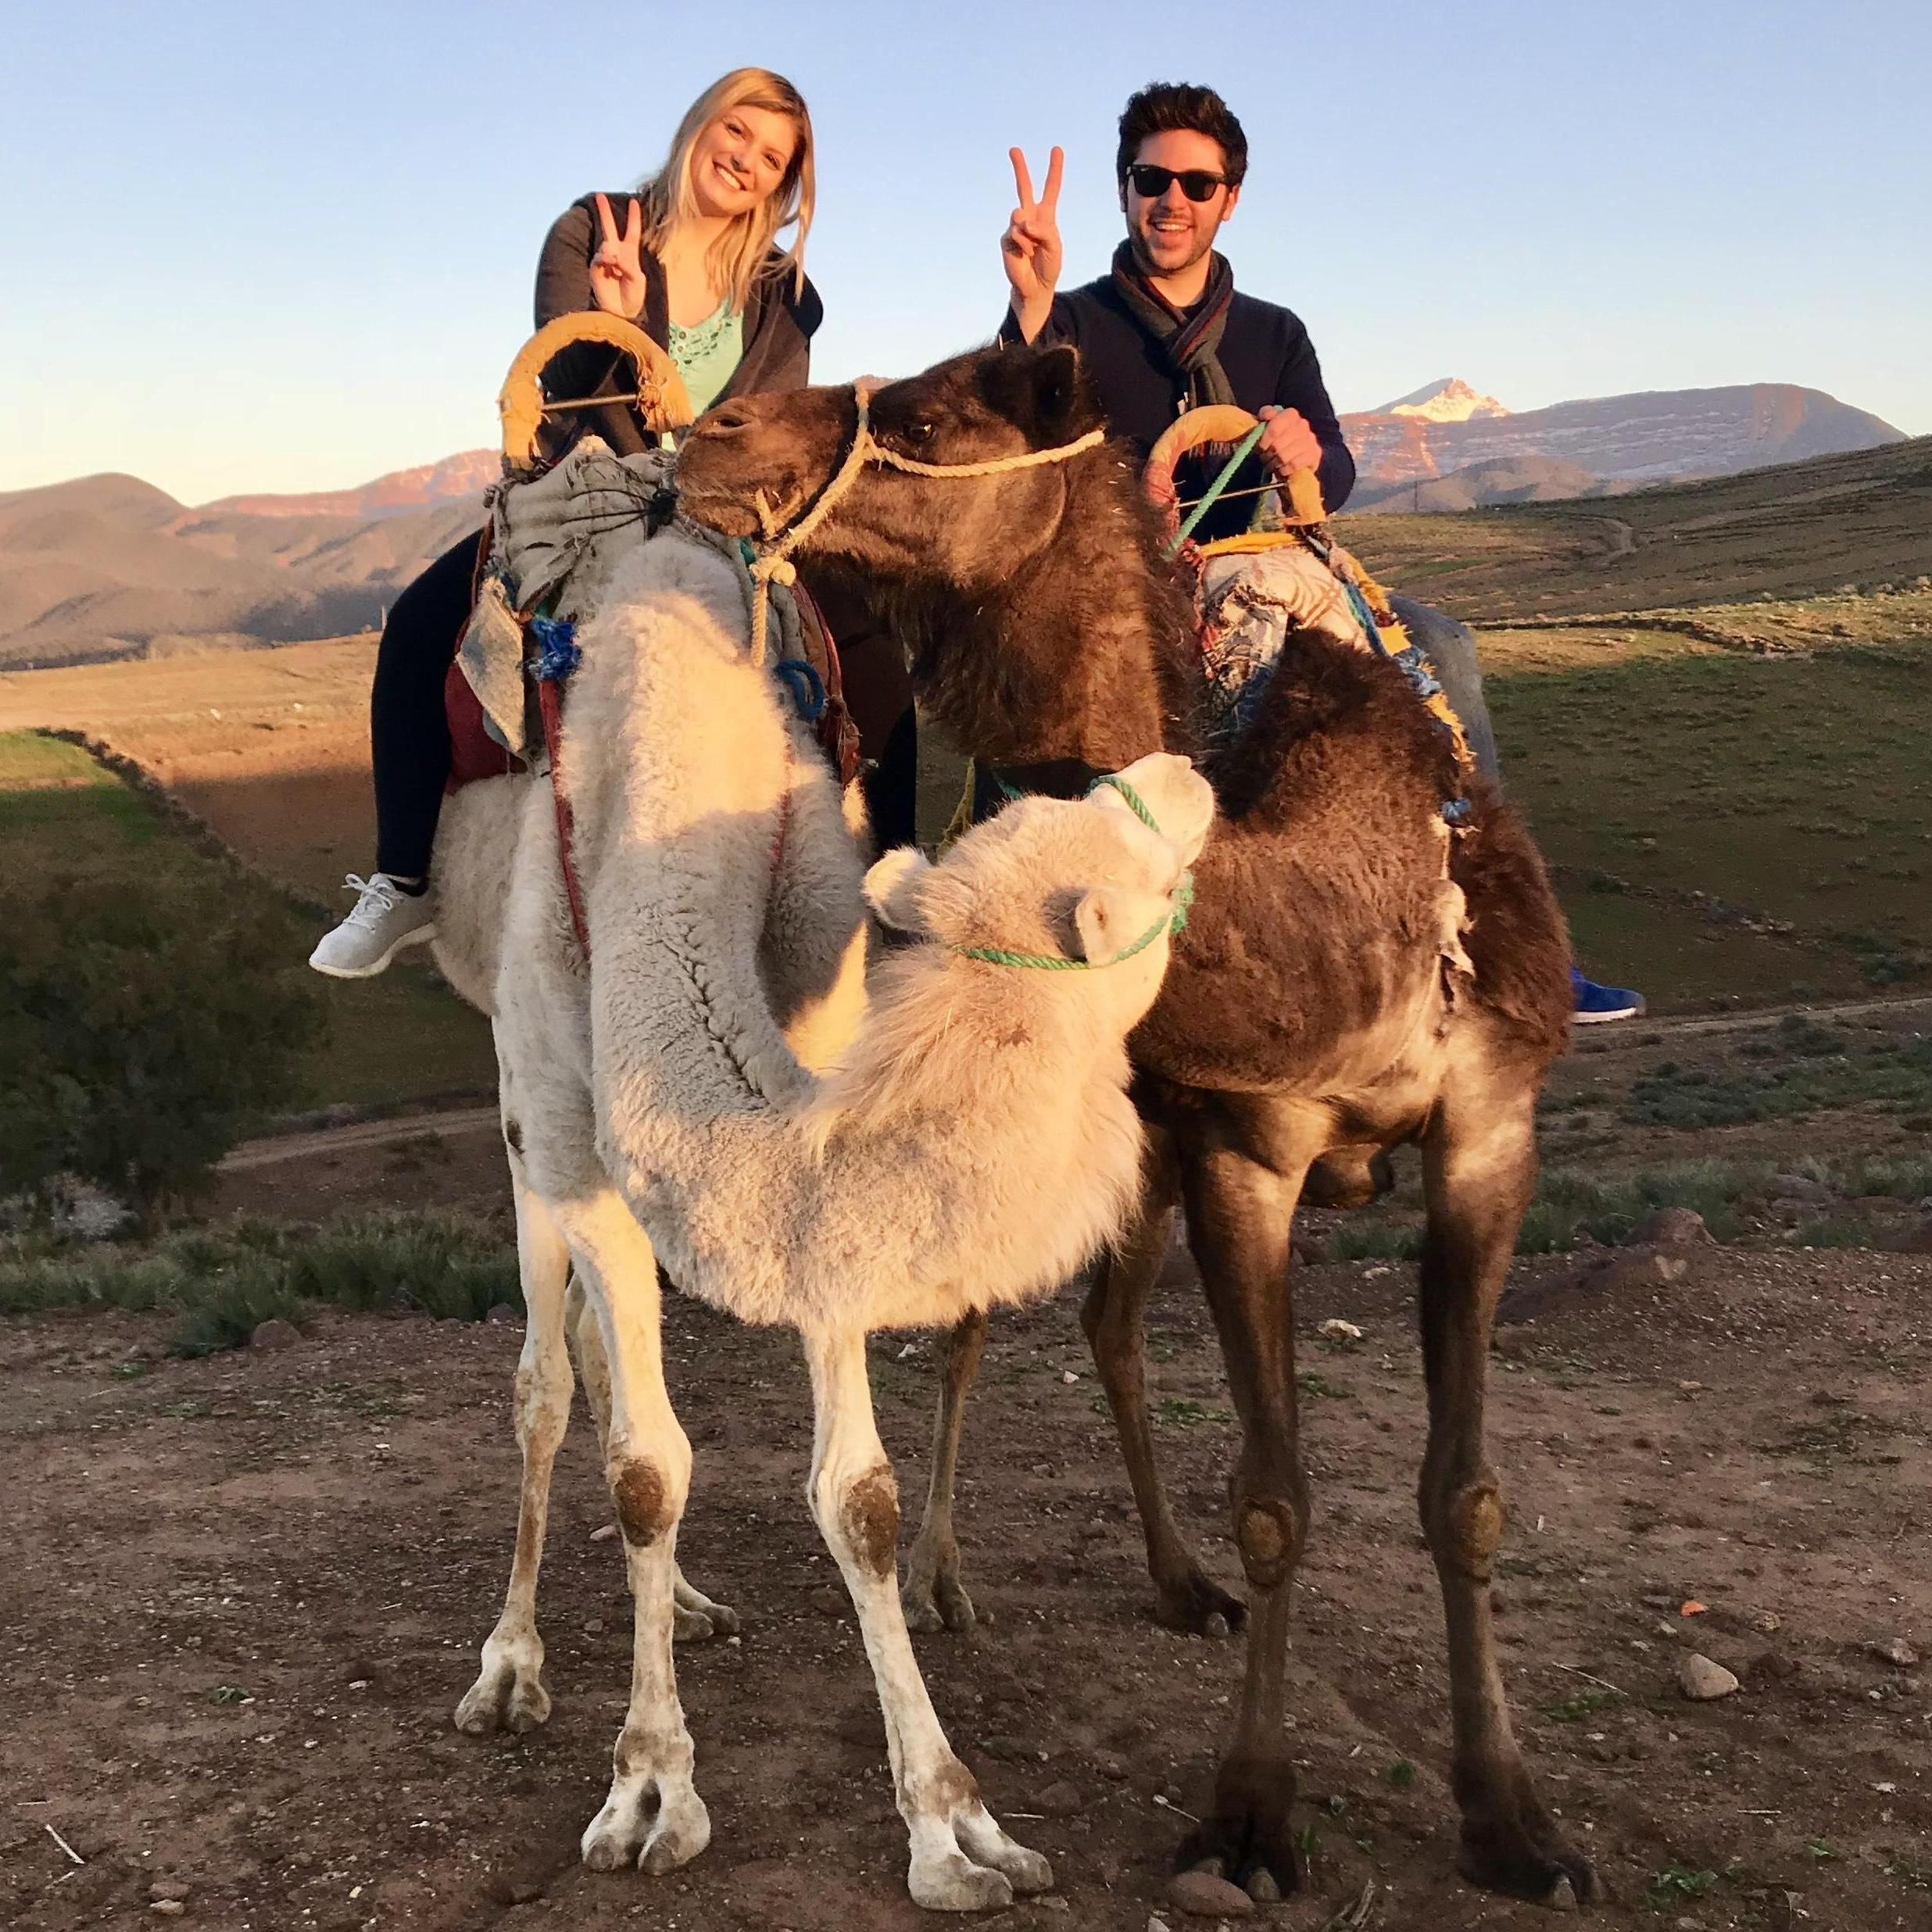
(1796, 530)
(1728, 827)
(389, 1039)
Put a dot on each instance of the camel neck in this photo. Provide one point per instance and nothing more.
(1081, 655)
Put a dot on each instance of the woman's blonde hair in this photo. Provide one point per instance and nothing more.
(742, 254)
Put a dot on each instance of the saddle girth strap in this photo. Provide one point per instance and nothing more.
(550, 707)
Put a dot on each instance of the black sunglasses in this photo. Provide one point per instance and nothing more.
(1198, 184)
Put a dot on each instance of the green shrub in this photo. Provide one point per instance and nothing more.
(142, 1027)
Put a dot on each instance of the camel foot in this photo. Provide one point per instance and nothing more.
(933, 1597)
(1522, 1854)
(656, 1824)
(1246, 1838)
(1194, 1604)
(508, 1693)
(969, 1864)
(695, 1619)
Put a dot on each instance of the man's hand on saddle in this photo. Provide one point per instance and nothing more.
(1287, 443)
(1030, 248)
(616, 269)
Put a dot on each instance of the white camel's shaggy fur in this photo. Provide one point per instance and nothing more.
(973, 1142)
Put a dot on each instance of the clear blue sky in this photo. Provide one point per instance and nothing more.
(248, 246)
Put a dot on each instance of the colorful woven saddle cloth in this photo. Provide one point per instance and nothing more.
(552, 546)
(1257, 591)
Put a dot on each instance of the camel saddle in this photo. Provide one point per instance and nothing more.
(547, 556)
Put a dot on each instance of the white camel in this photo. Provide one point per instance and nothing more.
(972, 1144)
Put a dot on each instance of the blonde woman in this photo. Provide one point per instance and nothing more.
(692, 257)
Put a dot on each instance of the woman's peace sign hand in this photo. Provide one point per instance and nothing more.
(616, 269)
(1030, 248)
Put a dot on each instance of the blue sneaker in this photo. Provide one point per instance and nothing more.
(1591, 1005)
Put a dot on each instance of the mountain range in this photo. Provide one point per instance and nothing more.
(108, 567)
(1448, 431)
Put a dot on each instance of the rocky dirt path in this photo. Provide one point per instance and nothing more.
(242, 1596)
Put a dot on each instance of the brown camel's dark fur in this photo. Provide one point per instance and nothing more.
(1316, 1001)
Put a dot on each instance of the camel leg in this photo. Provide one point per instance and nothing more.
(1112, 1316)
(934, 1598)
(647, 1462)
(1480, 1168)
(1242, 1174)
(509, 1694)
(961, 1861)
(695, 1616)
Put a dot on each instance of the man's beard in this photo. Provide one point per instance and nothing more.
(1152, 270)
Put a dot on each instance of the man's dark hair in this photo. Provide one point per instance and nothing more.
(1167, 106)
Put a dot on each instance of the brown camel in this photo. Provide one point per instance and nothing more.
(1320, 998)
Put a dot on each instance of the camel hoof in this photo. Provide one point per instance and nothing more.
(1247, 1839)
(942, 1605)
(980, 1833)
(953, 1883)
(695, 1619)
(1528, 1857)
(503, 1697)
(699, 1626)
(653, 1823)
(681, 1832)
(1198, 1607)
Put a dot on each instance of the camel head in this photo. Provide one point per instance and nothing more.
(1085, 881)
(786, 448)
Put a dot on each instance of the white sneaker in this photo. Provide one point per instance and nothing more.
(385, 919)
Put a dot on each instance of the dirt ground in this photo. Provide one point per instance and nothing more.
(244, 1594)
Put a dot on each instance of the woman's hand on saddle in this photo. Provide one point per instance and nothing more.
(1287, 443)
(616, 269)
(1030, 248)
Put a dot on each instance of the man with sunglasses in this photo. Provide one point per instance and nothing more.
(1166, 329)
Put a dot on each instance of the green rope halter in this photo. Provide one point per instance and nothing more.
(1056, 963)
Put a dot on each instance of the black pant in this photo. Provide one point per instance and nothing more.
(409, 732)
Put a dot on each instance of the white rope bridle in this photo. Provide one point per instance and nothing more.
(772, 562)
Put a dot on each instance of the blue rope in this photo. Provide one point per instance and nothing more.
(558, 652)
(807, 687)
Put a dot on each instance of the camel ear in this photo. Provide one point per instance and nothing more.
(1109, 919)
(892, 886)
(1042, 391)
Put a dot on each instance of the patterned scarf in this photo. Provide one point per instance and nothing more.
(1192, 345)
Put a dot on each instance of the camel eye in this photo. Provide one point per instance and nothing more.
(920, 432)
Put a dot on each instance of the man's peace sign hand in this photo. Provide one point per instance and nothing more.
(1030, 248)
(616, 269)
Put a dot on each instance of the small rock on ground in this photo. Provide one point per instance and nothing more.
(1801, 1187)
(1640, 1268)
(1671, 1227)
(1060, 1800)
(274, 1333)
(1895, 1651)
(1201, 1895)
(1702, 1680)
(503, 1315)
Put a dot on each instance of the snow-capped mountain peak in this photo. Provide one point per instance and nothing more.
(1450, 400)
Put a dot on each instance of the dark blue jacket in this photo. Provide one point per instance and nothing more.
(1266, 353)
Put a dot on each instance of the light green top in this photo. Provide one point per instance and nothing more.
(707, 353)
